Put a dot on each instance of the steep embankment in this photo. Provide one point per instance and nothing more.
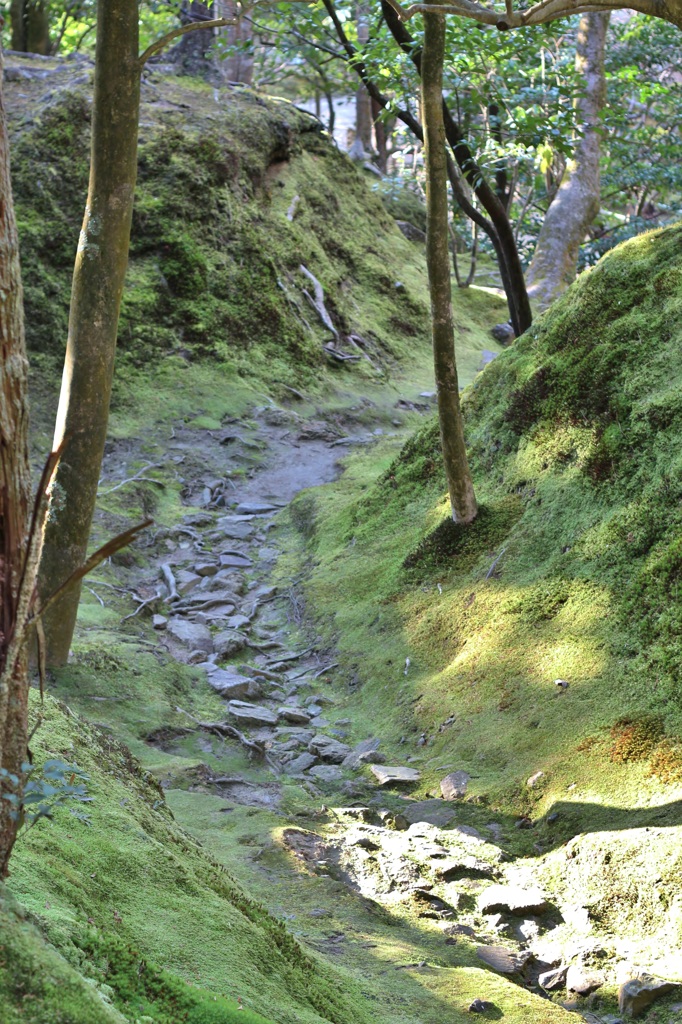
(235, 193)
(571, 573)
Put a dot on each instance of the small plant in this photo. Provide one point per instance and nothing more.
(57, 784)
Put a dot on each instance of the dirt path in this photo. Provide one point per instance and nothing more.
(279, 787)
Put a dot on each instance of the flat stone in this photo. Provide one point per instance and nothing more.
(186, 581)
(235, 561)
(300, 764)
(454, 785)
(233, 686)
(237, 622)
(504, 961)
(582, 981)
(235, 529)
(313, 707)
(252, 713)
(326, 773)
(363, 752)
(394, 774)
(193, 634)
(512, 899)
(228, 642)
(159, 621)
(433, 812)
(255, 508)
(556, 978)
(637, 994)
(296, 715)
(206, 569)
(328, 749)
(320, 723)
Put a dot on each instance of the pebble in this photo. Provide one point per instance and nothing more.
(454, 785)
(534, 779)
(480, 1006)
(159, 621)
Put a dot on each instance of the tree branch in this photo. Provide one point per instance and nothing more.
(183, 30)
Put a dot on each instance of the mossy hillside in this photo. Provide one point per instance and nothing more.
(570, 574)
(214, 268)
(134, 893)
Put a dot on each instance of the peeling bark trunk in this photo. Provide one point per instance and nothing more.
(460, 486)
(576, 204)
(97, 287)
(15, 489)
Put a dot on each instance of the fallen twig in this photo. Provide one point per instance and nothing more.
(138, 477)
(491, 570)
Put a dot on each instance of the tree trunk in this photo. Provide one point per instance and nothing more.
(238, 67)
(193, 52)
(97, 287)
(30, 26)
(15, 488)
(576, 204)
(362, 146)
(508, 254)
(460, 486)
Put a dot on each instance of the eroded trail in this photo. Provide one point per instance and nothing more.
(305, 811)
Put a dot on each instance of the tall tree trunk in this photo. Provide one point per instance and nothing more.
(30, 26)
(95, 303)
(460, 486)
(238, 67)
(15, 487)
(576, 204)
(362, 146)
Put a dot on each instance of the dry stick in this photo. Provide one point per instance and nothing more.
(137, 477)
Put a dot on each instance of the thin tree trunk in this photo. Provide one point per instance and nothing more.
(15, 488)
(381, 134)
(512, 272)
(362, 146)
(95, 303)
(460, 486)
(576, 203)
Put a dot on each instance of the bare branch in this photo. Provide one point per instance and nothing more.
(161, 43)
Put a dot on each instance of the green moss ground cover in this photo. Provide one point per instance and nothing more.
(570, 573)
